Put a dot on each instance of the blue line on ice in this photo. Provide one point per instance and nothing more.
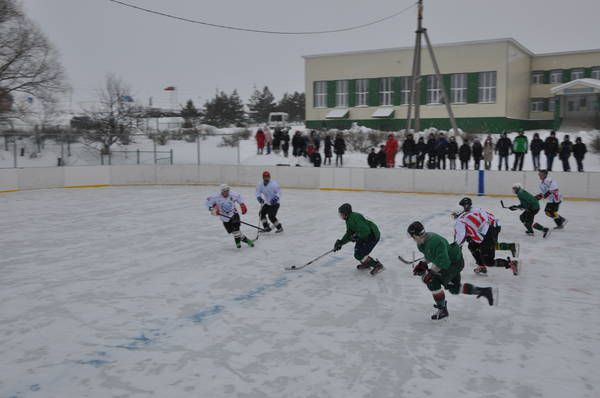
(214, 310)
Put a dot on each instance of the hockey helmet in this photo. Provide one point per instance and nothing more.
(516, 187)
(224, 188)
(345, 210)
(416, 229)
(466, 203)
(266, 174)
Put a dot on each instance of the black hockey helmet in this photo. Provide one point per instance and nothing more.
(543, 172)
(416, 229)
(466, 203)
(345, 209)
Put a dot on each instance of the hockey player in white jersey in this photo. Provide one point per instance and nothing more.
(268, 195)
(223, 204)
(549, 191)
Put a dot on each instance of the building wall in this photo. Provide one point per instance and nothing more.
(518, 82)
(583, 59)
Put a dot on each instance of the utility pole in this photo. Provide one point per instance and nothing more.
(415, 94)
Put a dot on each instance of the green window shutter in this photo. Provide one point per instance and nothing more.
(373, 92)
(547, 77)
(546, 106)
(397, 87)
(566, 77)
(331, 93)
(447, 79)
(588, 73)
(351, 93)
(473, 88)
(423, 90)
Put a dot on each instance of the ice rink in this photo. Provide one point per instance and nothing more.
(138, 292)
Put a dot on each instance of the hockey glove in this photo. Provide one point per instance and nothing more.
(420, 269)
(274, 200)
(539, 196)
(428, 277)
(244, 208)
(214, 211)
(261, 201)
(337, 246)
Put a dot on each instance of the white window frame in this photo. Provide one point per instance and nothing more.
(487, 87)
(537, 105)
(537, 78)
(362, 92)
(341, 93)
(579, 72)
(434, 90)
(556, 76)
(458, 88)
(320, 94)
(385, 91)
(595, 73)
(406, 89)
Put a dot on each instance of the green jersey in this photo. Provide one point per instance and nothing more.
(438, 251)
(359, 226)
(520, 144)
(528, 201)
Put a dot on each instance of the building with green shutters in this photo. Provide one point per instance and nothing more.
(494, 86)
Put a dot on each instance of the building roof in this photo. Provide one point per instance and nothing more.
(587, 83)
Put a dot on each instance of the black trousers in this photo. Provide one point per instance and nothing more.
(233, 224)
(269, 211)
(527, 218)
(485, 252)
(566, 165)
(518, 164)
(536, 160)
(579, 164)
(549, 161)
(505, 157)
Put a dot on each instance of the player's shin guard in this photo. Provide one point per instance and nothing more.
(538, 226)
(479, 291)
(237, 237)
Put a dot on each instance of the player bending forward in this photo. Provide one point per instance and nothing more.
(268, 195)
(446, 263)
(549, 191)
(473, 226)
(223, 204)
(531, 206)
(366, 235)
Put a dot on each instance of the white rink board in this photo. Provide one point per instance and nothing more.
(138, 291)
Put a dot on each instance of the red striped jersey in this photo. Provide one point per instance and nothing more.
(550, 191)
(473, 224)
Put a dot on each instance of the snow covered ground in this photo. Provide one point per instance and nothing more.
(138, 292)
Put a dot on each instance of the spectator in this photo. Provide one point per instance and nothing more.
(566, 148)
(477, 153)
(285, 142)
(441, 149)
(277, 140)
(550, 149)
(260, 141)
(268, 140)
(339, 147)
(408, 151)
(391, 149)
(421, 150)
(316, 159)
(381, 159)
(431, 152)
(520, 145)
(579, 151)
(536, 147)
(305, 142)
(328, 144)
(452, 152)
(372, 159)
(316, 139)
(503, 148)
(464, 154)
(488, 152)
(297, 144)
(310, 151)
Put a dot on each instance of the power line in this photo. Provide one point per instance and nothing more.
(265, 31)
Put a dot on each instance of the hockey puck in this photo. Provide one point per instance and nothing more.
(293, 267)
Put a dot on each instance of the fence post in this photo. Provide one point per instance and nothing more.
(198, 148)
(101, 158)
(171, 156)
(154, 146)
(137, 152)
(15, 152)
(238, 152)
(109, 157)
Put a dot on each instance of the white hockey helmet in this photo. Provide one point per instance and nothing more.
(224, 187)
(516, 187)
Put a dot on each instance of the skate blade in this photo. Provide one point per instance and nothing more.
(496, 295)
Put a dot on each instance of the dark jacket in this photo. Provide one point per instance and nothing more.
(503, 146)
(372, 160)
(408, 146)
(441, 146)
(421, 149)
(381, 159)
(579, 150)
(551, 146)
(339, 146)
(328, 145)
(431, 147)
(477, 151)
(297, 141)
(566, 148)
(536, 146)
(464, 153)
(452, 149)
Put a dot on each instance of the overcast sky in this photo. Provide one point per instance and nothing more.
(151, 52)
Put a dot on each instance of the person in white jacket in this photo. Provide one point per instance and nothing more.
(223, 204)
(268, 194)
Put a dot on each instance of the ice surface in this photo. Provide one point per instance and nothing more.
(137, 292)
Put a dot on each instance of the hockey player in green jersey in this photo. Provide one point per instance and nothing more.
(530, 204)
(366, 235)
(445, 264)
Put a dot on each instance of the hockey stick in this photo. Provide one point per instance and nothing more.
(508, 207)
(294, 268)
(410, 261)
(258, 230)
(245, 223)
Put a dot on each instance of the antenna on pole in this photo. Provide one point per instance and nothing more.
(415, 93)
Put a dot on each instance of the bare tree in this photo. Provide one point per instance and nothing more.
(29, 65)
(114, 117)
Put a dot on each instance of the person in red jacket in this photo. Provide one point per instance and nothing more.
(260, 141)
(391, 149)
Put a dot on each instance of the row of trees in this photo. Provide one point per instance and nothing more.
(224, 110)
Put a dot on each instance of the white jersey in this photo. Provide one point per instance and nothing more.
(473, 224)
(225, 205)
(270, 193)
(550, 191)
